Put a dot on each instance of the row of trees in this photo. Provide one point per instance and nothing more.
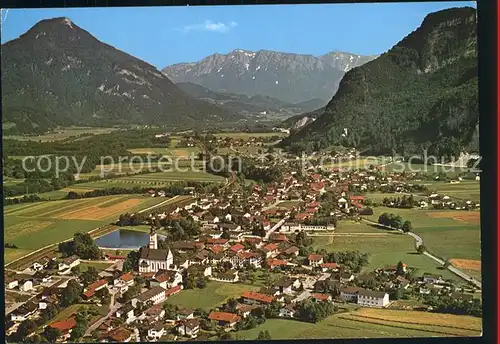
(403, 202)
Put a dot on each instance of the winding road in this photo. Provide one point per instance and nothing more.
(419, 241)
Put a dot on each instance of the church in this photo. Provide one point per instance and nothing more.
(153, 259)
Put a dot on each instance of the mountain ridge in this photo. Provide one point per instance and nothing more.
(58, 74)
(420, 95)
(290, 77)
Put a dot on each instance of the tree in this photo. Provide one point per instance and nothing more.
(51, 334)
(264, 335)
(400, 269)
(421, 249)
(24, 329)
(407, 226)
(131, 263)
(71, 293)
(89, 276)
(225, 235)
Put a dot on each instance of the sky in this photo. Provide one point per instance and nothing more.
(163, 36)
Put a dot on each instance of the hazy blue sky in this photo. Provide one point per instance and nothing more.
(167, 35)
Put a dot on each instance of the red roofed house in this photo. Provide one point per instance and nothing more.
(302, 216)
(251, 298)
(275, 263)
(320, 187)
(64, 326)
(237, 248)
(278, 237)
(124, 281)
(224, 318)
(321, 297)
(311, 210)
(254, 240)
(315, 259)
(173, 291)
(94, 287)
(219, 241)
(120, 335)
(356, 199)
(216, 248)
(329, 267)
(252, 258)
(271, 250)
(291, 251)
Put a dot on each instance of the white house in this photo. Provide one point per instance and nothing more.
(12, 283)
(126, 312)
(433, 279)
(288, 311)
(156, 332)
(189, 328)
(371, 298)
(26, 286)
(155, 295)
(69, 263)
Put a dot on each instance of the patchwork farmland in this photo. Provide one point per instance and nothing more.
(35, 225)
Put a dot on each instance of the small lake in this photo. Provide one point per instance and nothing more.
(124, 238)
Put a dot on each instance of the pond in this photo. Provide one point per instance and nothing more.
(124, 238)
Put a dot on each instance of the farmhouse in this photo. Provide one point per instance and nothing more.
(229, 277)
(252, 298)
(431, 278)
(365, 297)
(287, 311)
(120, 335)
(155, 295)
(224, 319)
(315, 259)
(189, 328)
(156, 332)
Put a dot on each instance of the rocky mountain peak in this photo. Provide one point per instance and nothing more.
(290, 77)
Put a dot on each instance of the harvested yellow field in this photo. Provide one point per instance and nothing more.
(466, 264)
(462, 216)
(98, 212)
(434, 322)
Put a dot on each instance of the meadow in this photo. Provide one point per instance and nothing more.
(385, 249)
(35, 225)
(246, 136)
(349, 325)
(61, 134)
(465, 190)
(212, 296)
(447, 234)
(413, 167)
(184, 152)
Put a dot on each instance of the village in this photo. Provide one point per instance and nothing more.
(235, 237)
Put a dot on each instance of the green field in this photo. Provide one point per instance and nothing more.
(214, 295)
(352, 325)
(465, 190)
(62, 133)
(35, 225)
(246, 136)
(384, 250)
(349, 226)
(168, 151)
(445, 237)
(378, 197)
(413, 167)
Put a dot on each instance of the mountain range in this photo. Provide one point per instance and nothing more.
(57, 74)
(292, 78)
(247, 105)
(421, 94)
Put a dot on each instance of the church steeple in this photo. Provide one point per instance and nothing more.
(153, 238)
